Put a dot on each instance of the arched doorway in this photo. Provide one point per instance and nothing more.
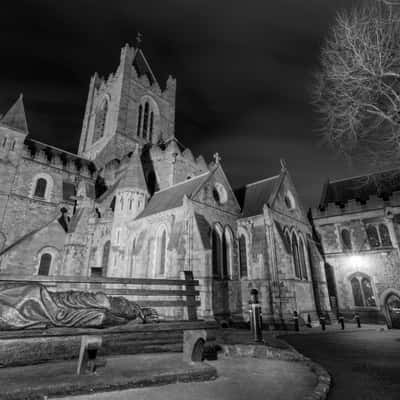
(393, 310)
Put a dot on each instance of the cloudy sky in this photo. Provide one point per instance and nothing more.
(243, 70)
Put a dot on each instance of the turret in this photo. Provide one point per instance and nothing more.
(13, 131)
(132, 192)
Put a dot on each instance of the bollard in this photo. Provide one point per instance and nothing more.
(309, 320)
(296, 321)
(322, 322)
(357, 318)
(341, 321)
(255, 316)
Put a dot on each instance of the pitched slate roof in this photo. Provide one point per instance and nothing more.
(172, 197)
(254, 196)
(133, 177)
(382, 184)
(15, 116)
(30, 234)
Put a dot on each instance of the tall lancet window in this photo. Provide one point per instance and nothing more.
(243, 256)
(216, 253)
(151, 126)
(145, 120)
(139, 121)
(100, 122)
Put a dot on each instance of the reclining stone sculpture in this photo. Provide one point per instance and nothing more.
(32, 305)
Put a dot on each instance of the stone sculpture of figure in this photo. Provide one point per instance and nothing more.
(25, 305)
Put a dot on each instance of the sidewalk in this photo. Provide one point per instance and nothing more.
(238, 379)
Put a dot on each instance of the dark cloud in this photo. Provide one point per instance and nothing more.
(243, 71)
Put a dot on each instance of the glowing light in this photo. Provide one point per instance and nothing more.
(355, 260)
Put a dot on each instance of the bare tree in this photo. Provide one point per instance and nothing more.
(357, 88)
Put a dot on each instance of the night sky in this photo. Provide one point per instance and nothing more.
(243, 70)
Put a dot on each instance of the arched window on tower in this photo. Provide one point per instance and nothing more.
(346, 239)
(100, 122)
(296, 258)
(243, 256)
(40, 188)
(45, 263)
(373, 237)
(139, 121)
(145, 120)
(385, 236)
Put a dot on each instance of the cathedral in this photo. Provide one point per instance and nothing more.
(135, 202)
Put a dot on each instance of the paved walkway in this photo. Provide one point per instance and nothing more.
(239, 379)
(364, 364)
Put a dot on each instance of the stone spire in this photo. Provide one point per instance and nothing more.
(133, 177)
(15, 116)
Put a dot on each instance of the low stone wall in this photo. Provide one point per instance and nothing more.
(37, 346)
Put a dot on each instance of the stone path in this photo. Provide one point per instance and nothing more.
(239, 379)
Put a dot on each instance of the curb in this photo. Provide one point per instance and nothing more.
(320, 392)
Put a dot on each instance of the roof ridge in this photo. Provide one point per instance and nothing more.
(57, 148)
(364, 175)
(182, 182)
(262, 180)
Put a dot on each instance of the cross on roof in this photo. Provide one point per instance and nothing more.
(139, 39)
(217, 158)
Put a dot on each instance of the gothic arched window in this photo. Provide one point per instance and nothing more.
(45, 263)
(151, 126)
(362, 291)
(227, 251)
(296, 258)
(100, 121)
(346, 239)
(385, 236)
(40, 188)
(303, 262)
(373, 237)
(357, 295)
(145, 120)
(105, 257)
(369, 298)
(139, 121)
(243, 256)
(162, 252)
(216, 253)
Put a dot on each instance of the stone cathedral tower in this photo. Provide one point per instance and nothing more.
(127, 108)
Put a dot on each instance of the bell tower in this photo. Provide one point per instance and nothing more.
(127, 108)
